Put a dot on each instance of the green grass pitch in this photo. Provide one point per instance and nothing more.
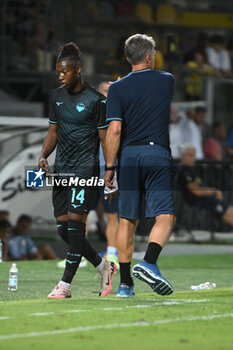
(184, 320)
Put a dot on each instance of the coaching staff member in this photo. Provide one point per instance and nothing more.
(138, 111)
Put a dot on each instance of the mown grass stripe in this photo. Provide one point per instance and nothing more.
(115, 325)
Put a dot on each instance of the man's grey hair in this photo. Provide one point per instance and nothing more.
(137, 47)
(186, 147)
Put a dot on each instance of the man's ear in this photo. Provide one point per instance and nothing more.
(78, 69)
(148, 58)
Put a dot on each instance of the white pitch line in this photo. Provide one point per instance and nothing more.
(160, 303)
(112, 326)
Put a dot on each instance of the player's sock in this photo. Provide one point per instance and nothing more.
(89, 252)
(100, 266)
(125, 273)
(152, 253)
(76, 231)
(111, 250)
(64, 284)
(91, 255)
(62, 228)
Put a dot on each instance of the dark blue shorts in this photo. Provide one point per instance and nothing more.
(148, 169)
(214, 205)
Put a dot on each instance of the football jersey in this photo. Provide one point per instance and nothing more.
(141, 101)
(78, 117)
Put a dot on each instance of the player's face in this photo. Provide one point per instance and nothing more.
(68, 74)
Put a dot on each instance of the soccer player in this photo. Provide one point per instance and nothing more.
(138, 113)
(77, 123)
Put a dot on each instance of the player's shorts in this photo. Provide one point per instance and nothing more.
(149, 169)
(213, 205)
(75, 199)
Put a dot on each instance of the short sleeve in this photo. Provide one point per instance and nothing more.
(100, 113)
(114, 108)
(52, 112)
(230, 140)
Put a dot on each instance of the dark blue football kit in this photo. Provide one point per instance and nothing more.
(141, 101)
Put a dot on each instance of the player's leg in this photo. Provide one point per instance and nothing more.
(111, 236)
(111, 211)
(157, 176)
(129, 212)
(125, 244)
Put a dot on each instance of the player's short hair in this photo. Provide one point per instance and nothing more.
(71, 52)
(185, 147)
(137, 47)
(24, 218)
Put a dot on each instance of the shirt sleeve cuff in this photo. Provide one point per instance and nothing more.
(102, 127)
(52, 122)
(110, 119)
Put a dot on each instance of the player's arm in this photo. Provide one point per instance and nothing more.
(49, 145)
(199, 191)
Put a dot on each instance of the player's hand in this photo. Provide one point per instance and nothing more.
(43, 164)
(109, 178)
(219, 195)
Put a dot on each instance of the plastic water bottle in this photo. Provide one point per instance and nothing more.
(206, 285)
(13, 278)
(0, 251)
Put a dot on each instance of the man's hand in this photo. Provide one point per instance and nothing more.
(43, 163)
(109, 178)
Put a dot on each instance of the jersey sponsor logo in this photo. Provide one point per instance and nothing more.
(35, 178)
(80, 107)
(59, 103)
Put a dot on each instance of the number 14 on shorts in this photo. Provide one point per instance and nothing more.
(77, 197)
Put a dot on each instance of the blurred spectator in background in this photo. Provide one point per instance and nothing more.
(218, 57)
(200, 120)
(176, 132)
(21, 246)
(197, 67)
(4, 231)
(230, 144)
(230, 50)
(192, 126)
(194, 190)
(213, 147)
(4, 215)
(103, 88)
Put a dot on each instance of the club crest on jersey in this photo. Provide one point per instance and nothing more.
(80, 107)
